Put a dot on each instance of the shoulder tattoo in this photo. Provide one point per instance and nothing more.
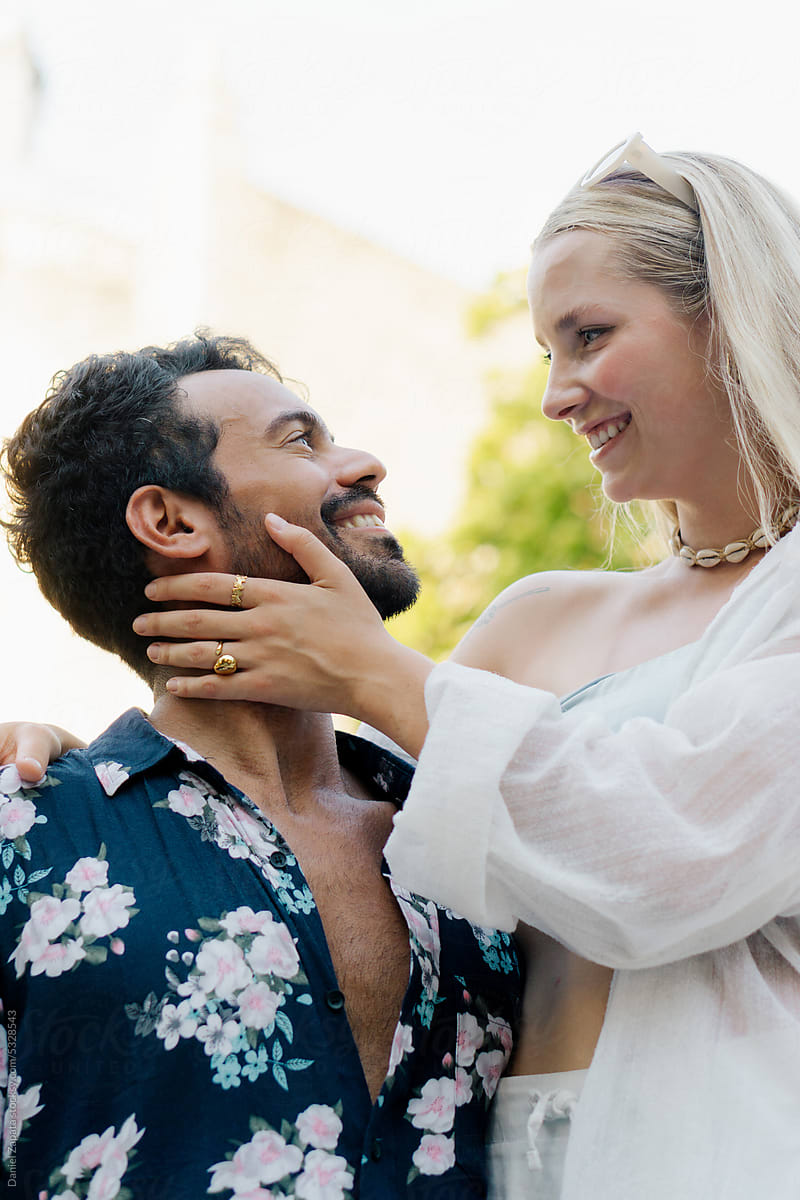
(493, 609)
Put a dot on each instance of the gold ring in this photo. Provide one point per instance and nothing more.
(226, 664)
(218, 650)
(236, 591)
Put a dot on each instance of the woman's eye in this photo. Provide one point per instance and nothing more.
(547, 357)
(590, 335)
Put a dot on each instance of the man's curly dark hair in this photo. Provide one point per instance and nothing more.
(108, 425)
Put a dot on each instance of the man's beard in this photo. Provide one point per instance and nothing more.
(391, 583)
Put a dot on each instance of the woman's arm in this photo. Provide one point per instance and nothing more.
(634, 846)
(30, 747)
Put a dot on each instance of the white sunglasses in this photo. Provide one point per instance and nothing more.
(636, 153)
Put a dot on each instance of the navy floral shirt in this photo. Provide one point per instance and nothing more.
(172, 1024)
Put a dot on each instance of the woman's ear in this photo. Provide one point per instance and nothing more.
(170, 524)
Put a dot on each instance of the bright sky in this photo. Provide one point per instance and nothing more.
(443, 129)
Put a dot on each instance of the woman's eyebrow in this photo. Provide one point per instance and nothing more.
(570, 320)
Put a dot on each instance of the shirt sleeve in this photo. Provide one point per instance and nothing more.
(634, 846)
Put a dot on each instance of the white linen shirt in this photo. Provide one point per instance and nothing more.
(651, 825)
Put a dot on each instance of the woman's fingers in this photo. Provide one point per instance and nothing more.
(319, 563)
(200, 625)
(31, 747)
(199, 656)
(213, 687)
(205, 587)
(214, 588)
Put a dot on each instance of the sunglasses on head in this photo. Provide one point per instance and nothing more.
(636, 153)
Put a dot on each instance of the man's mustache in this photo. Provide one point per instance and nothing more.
(359, 491)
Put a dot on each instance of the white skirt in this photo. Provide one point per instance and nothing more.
(528, 1134)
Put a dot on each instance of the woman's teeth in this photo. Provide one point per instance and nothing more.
(598, 438)
(359, 521)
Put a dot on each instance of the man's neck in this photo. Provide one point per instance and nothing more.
(281, 758)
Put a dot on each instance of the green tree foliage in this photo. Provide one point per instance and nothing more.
(532, 502)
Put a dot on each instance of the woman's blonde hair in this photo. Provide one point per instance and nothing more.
(737, 265)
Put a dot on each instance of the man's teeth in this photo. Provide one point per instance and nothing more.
(360, 520)
(598, 438)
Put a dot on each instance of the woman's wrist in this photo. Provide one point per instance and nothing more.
(391, 695)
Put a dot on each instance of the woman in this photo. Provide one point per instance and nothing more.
(643, 831)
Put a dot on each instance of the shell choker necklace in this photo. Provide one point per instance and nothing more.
(734, 552)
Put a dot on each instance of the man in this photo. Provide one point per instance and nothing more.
(206, 971)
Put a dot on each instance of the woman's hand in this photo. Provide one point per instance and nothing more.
(319, 647)
(31, 747)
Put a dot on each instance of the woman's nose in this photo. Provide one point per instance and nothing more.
(563, 394)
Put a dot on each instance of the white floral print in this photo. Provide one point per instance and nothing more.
(17, 816)
(111, 775)
(176, 1021)
(434, 1155)
(11, 782)
(243, 968)
(298, 1159)
(186, 800)
(434, 1109)
(88, 873)
(499, 1028)
(402, 1044)
(50, 916)
(242, 833)
(258, 1005)
(222, 968)
(64, 928)
(273, 952)
(55, 958)
(319, 1126)
(105, 910)
(18, 1111)
(244, 920)
(490, 1067)
(325, 1177)
(470, 1038)
(99, 1161)
(217, 1035)
(482, 1049)
(463, 1088)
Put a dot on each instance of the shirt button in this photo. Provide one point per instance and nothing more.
(278, 858)
(335, 1000)
(377, 1150)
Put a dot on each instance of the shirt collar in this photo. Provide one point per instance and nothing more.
(131, 746)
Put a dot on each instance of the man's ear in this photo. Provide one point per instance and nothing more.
(170, 524)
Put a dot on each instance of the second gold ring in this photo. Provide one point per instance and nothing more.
(225, 664)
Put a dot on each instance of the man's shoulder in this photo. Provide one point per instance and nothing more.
(77, 786)
(383, 772)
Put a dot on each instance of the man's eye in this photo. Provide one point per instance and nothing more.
(303, 438)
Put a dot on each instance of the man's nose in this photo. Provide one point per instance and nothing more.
(359, 466)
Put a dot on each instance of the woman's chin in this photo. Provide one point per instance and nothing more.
(618, 490)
